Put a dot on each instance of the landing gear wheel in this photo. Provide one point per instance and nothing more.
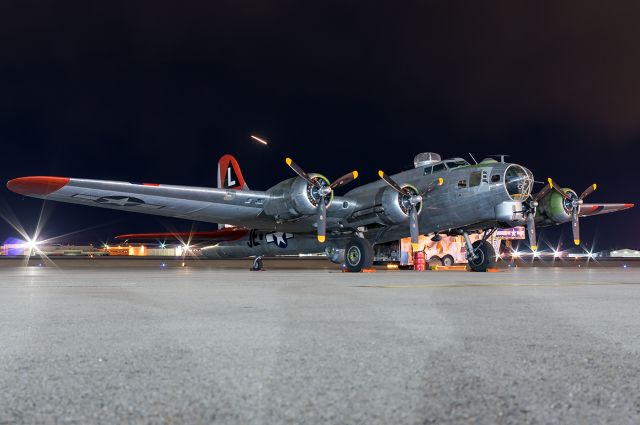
(358, 255)
(257, 265)
(485, 257)
(448, 260)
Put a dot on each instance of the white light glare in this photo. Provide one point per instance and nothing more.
(31, 244)
(556, 254)
(259, 140)
(515, 254)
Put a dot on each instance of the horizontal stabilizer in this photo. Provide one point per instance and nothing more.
(222, 235)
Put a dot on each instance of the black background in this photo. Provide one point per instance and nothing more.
(158, 91)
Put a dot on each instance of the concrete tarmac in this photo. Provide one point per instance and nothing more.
(195, 345)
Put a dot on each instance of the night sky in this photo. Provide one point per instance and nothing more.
(157, 91)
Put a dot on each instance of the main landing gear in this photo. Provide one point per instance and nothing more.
(358, 255)
(480, 254)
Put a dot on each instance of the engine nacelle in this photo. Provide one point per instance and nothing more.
(396, 206)
(554, 208)
(295, 197)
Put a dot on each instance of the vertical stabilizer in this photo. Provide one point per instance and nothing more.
(229, 174)
(230, 177)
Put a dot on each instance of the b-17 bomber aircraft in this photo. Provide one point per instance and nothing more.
(303, 215)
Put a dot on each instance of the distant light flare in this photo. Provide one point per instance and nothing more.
(259, 140)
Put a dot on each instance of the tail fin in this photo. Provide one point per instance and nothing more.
(229, 174)
(230, 177)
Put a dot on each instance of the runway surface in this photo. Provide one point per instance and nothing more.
(192, 345)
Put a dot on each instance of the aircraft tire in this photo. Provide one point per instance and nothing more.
(358, 255)
(448, 260)
(257, 265)
(486, 257)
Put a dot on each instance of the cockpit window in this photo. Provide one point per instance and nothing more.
(456, 164)
(438, 167)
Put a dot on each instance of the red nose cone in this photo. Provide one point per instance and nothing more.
(37, 185)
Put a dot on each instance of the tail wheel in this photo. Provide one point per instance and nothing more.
(358, 255)
(485, 257)
(257, 265)
(448, 260)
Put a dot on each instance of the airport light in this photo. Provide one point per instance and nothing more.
(30, 243)
(163, 245)
(556, 254)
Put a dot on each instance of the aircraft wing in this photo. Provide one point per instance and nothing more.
(595, 209)
(211, 205)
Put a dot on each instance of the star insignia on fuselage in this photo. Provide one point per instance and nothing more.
(279, 238)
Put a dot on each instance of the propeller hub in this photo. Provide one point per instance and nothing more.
(409, 199)
(324, 190)
(319, 190)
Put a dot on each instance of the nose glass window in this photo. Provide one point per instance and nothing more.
(518, 182)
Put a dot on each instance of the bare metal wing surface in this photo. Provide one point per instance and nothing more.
(194, 203)
(597, 209)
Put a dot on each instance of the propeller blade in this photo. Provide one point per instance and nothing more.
(543, 192)
(588, 191)
(432, 186)
(555, 187)
(575, 225)
(299, 171)
(413, 227)
(322, 221)
(392, 183)
(349, 177)
(531, 230)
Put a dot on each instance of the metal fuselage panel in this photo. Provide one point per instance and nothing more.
(449, 206)
(259, 243)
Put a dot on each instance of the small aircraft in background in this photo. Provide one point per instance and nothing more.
(303, 215)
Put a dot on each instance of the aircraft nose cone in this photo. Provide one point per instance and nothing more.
(36, 185)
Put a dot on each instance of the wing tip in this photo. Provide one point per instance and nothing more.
(37, 185)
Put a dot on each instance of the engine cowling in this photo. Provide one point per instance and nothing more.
(295, 197)
(554, 208)
(396, 206)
